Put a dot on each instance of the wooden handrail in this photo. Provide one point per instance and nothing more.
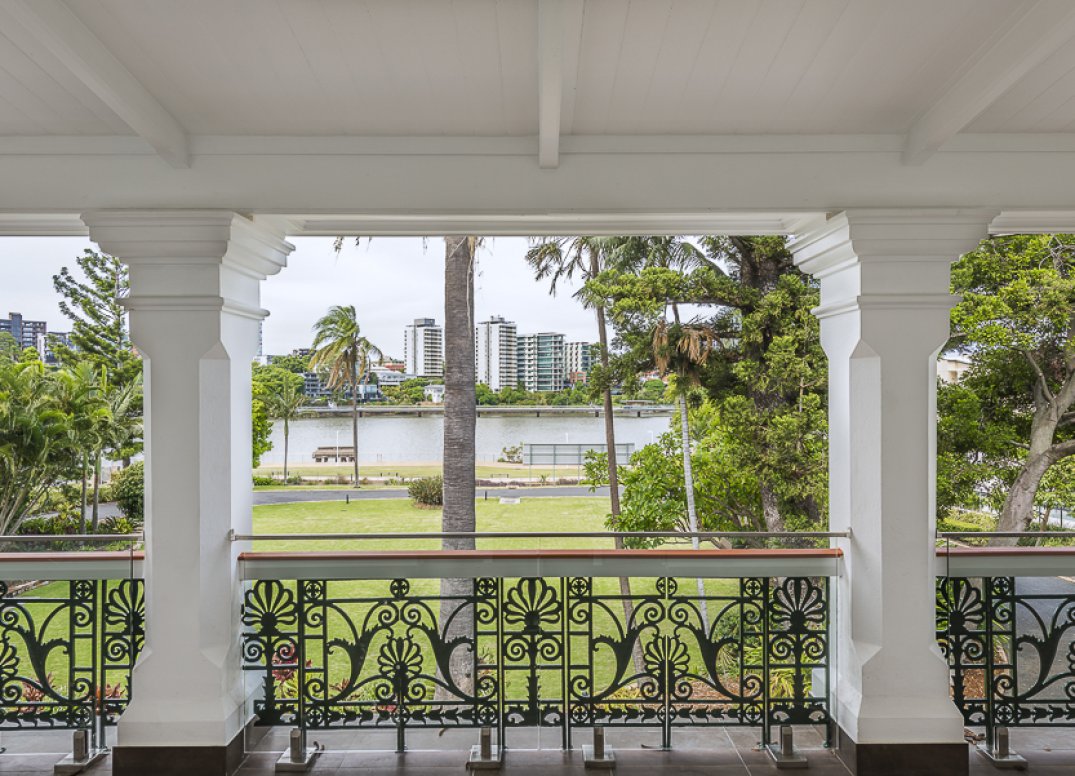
(72, 557)
(714, 554)
(1007, 552)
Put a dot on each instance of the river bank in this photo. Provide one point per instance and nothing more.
(384, 439)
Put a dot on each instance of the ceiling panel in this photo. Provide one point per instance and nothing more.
(469, 67)
(328, 67)
(1043, 101)
(38, 95)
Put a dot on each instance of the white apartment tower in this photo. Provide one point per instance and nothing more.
(495, 357)
(579, 358)
(423, 348)
(541, 362)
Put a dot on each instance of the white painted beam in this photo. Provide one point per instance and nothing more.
(58, 29)
(1037, 30)
(550, 80)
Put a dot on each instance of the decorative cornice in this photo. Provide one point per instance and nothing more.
(866, 302)
(255, 247)
(845, 239)
(1033, 222)
(192, 303)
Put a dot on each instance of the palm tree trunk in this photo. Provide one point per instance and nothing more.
(613, 467)
(96, 489)
(82, 499)
(354, 427)
(458, 464)
(286, 431)
(688, 484)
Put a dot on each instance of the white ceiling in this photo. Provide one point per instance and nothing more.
(470, 67)
(462, 106)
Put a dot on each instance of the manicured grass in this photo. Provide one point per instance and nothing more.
(399, 515)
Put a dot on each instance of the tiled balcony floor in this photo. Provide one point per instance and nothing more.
(713, 752)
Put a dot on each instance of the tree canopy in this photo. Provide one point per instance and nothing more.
(1009, 421)
(764, 379)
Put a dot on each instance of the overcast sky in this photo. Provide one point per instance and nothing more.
(390, 281)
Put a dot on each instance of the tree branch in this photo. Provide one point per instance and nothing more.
(1042, 383)
(1061, 450)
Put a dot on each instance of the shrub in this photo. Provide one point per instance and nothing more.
(117, 525)
(129, 488)
(55, 525)
(427, 491)
(261, 480)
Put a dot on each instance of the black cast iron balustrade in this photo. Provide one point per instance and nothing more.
(66, 655)
(545, 652)
(1011, 652)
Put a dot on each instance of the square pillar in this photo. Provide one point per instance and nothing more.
(194, 307)
(885, 303)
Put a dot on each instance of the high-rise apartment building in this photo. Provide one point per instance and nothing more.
(540, 362)
(423, 348)
(579, 359)
(25, 332)
(495, 356)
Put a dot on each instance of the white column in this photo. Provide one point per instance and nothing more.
(884, 313)
(194, 304)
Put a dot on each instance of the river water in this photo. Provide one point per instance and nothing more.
(399, 439)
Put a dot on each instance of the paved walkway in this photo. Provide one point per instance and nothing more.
(298, 496)
(711, 751)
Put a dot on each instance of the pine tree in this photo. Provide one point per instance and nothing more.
(98, 322)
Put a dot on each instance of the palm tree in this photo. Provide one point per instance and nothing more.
(117, 428)
(341, 350)
(78, 395)
(562, 258)
(285, 405)
(682, 350)
(459, 424)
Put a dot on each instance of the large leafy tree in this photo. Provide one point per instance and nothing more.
(340, 349)
(1011, 418)
(765, 374)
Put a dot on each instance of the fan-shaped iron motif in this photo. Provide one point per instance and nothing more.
(551, 652)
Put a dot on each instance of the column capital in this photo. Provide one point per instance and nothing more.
(192, 260)
(848, 238)
(250, 245)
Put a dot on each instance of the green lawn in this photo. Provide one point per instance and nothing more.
(399, 515)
